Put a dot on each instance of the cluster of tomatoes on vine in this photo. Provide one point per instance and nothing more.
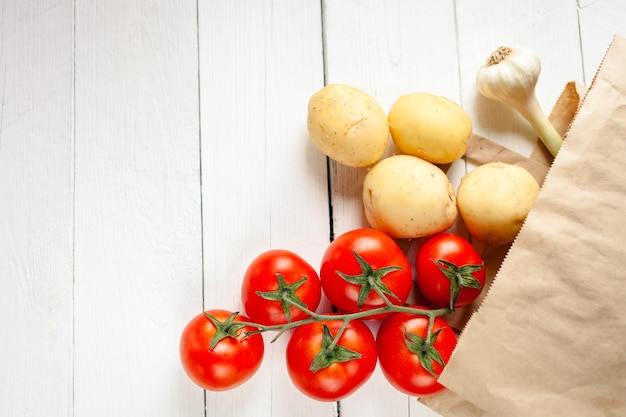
(366, 276)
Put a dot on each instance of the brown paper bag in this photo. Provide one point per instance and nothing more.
(549, 338)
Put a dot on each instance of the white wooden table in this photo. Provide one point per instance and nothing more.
(150, 149)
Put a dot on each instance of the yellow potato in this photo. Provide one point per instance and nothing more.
(407, 197)
(494, 200)
(430, 127)
(348, 125)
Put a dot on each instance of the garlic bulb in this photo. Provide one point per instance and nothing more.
(510, 76)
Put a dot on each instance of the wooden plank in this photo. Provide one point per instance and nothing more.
(383, 51)
(138, 277)
(387, 49)
(36, 179)
(548, 28)
(599, 22)
(264, 184)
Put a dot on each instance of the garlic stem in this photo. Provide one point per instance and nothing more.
(510, 76)
(532, 112)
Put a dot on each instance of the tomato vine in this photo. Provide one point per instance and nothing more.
(366, 277)
(370, 280)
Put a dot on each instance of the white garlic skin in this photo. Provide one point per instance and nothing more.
(509, 78)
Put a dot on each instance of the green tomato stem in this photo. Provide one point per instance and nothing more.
(346, 318)
(429, 332)
(330, 348)
(315, 317)
(381, 294)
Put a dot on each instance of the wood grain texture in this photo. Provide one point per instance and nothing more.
(36, 188)
(264, 184)
(386, 49)
(150, 150)
(138, 276)
(599, 21)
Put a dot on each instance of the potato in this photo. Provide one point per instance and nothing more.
(348, 125)
(430, 127)
(407, 197)
(494, 200)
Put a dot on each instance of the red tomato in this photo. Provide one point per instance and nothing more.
(360, 260)
(273, 275)
(231, 362)
(356, 347)
(448, 266)
(402, 367)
